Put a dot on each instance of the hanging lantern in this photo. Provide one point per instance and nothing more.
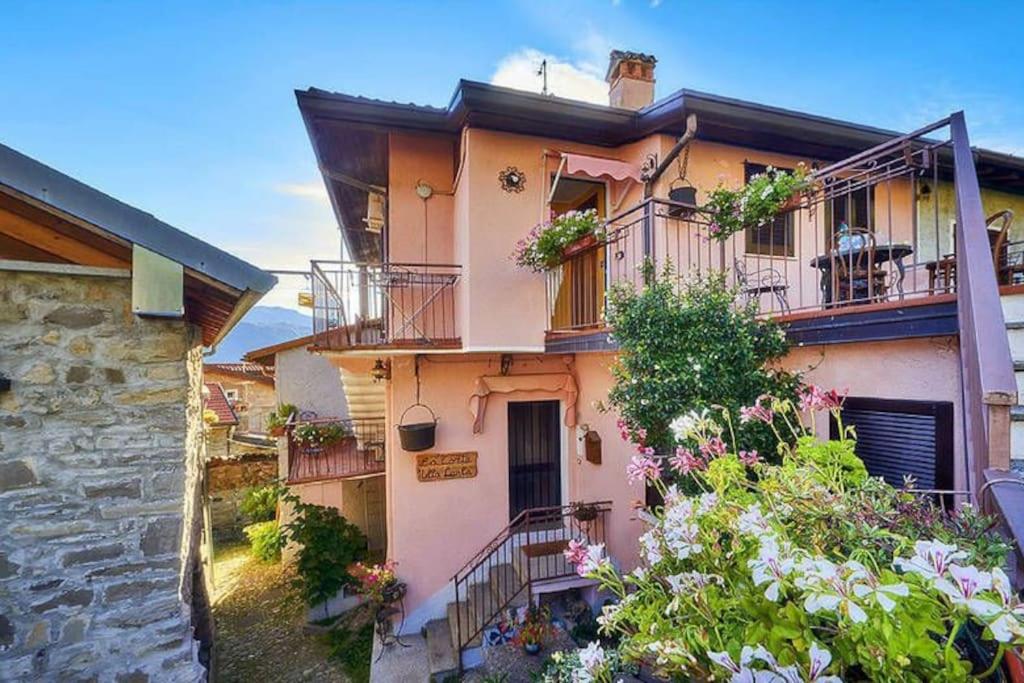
(374, 212)
(381, 371)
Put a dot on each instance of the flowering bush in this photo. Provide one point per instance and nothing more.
(591, 664)
(542, 248)
(788, 573)
(376, 581)
(312, 435)
(689, 349)
(535, 627)
(755, 204)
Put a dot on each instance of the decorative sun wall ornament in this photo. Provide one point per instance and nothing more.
(512, 179)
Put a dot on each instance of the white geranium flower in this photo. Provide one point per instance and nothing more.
(931, 559)
(820, 659)
(770, 567)
(1008, 624)
(964, 588)
(592, 661)
(650, 546)
(753, 522)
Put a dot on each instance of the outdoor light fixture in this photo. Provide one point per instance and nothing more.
(381, 370)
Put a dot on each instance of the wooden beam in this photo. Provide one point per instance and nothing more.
(48, 239)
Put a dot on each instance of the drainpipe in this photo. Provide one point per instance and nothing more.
(689, 134)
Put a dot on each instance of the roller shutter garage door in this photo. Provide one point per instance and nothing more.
(899, 438)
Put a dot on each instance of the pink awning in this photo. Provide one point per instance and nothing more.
(596, 167)
(507, 384)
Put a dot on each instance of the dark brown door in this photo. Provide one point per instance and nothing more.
(534, 456)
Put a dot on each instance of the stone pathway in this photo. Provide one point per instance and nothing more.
(260, 622)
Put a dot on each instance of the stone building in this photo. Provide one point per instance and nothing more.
(105, 312)
(249, 389)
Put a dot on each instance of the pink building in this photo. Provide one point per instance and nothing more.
(514, 364)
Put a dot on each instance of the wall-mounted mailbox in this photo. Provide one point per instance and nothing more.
(592, 444)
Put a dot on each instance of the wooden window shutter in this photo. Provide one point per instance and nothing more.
(897, 438)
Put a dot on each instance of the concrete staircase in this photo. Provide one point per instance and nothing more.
(540, 562)
(1013, 311)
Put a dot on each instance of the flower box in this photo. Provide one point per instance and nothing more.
(580, 245)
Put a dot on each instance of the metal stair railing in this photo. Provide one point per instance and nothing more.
(531, 544)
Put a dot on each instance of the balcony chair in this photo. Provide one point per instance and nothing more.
(764, 281)
(942, 273)
(856, 278)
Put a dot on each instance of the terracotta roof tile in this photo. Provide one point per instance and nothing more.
(215, 400)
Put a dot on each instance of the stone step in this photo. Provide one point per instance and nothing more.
(1013, 307)
(1017, 433)
(545, 559)
(441, 656)
(506, 583)
(472, 610)
(1015, 332)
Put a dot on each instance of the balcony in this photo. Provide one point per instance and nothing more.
(875, 238)
(384, 305)
(358, 454)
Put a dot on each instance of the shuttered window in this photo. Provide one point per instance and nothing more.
(771, 239)
(899, 438)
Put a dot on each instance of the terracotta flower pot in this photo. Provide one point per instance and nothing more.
(582, 244)
(791, 204)
(277, 431)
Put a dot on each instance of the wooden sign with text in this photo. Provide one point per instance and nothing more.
(440, 466)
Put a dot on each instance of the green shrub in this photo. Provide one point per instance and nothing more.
(265, 540)
(352, 646)
(328, 544)
(279, 417)
(260, 503)
(688, 349)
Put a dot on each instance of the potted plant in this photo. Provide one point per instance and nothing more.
(317, 436)
(534, 629)
(757, 203)
(378, 583)
(584, 512)
(550, 243)
(278, 418)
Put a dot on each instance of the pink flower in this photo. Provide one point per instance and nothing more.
(642, 467)
(684, 461)
(749, 458)
(645, 450)
(815, 398)
(758, 411)
(575, 552)
(712, 448)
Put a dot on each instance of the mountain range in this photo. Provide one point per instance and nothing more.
(261, 326)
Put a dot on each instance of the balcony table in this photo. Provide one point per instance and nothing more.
(883, 253)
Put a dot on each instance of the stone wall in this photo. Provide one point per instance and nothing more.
(227, 482)
(100, 445)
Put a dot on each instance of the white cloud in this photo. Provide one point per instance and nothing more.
(313, 190)
(577, 81)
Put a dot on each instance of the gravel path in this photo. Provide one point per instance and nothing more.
(260, 621)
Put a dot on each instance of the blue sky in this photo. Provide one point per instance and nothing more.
(187, 111)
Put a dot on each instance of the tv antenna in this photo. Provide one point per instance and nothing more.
(543, 71)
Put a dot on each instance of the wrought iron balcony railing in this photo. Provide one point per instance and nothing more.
(877, 228)
(359, 452)
(384, 305)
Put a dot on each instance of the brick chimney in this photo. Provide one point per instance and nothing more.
(630, 79)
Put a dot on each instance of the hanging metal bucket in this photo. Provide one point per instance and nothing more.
(683, 195)
(417, 436)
